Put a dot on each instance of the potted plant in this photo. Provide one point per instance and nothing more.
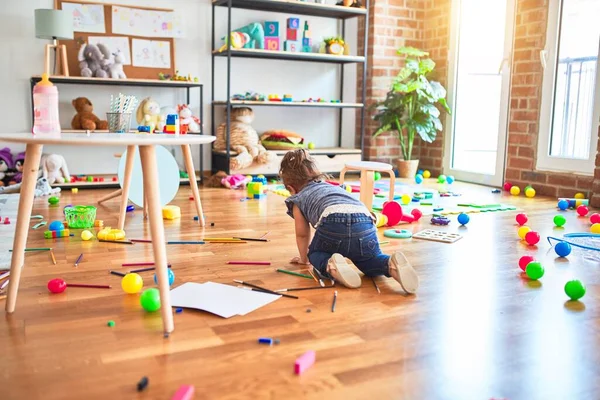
(335, 45)
(409, 108)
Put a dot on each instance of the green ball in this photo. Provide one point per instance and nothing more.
(575, 289)
(150, 299)
(441, 178)
(53, 200)
(534, 270)
(559, 220)
(377, 175)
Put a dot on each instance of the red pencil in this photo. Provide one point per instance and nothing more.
(249, 262)
(85, 285)
(145, 269)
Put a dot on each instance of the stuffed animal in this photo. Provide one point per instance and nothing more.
(236, 181)
(42, 188)
(54, 168)
(256, 35)
(19, 162)
(243, 139)
(85, 118)
(148, 114)
(92, 62)
(6, 167)
(116, 68)
(238, 40)
(186, 117)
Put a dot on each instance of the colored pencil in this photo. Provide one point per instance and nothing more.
(375, 283)
(85, 285)
(117, 241)
(285, 271)
(37, 249)
(183, 242)
(141, 240)
(384, 242)
(226, 241)
(135, 271)
(140, 264)
(219, 239)
(79, 259)
(249, 262)
(5, 275)
(265, 290)
(253, 239)
(5, 284)
(313, 272)
(303, 288)
(117, 273)
(334, 301)
(53, 258)
(265, 235)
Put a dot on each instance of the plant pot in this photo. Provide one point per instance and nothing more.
(407, 169)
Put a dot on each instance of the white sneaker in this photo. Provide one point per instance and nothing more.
(403, 272)
(342, 272)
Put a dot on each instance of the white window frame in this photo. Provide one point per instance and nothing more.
(548, 58)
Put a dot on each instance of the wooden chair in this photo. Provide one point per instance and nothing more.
(367, 171)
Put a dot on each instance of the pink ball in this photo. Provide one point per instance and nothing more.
(507, 186)
(583, 210)
(595, 218)
(523, 261)
(532, 238)
(57, 285)
(521, 219)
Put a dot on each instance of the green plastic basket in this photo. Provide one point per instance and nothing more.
(80, 217)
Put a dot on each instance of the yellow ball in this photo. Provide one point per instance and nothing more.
(595, 228)
(381, 220)
(530, 192)
(426, 174)
(580, 196)
(348, 188)
(86, 235)
(515, 190)
(132, 283)
(523, 231)
(405, 199)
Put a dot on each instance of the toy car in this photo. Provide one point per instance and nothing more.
(143, 128)
(440, 220)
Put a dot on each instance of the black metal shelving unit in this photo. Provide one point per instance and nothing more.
(220, 160)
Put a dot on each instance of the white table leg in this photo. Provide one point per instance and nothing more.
(126, 184)
(157, 231)
(366, 188)
(392, 185)
(30, 174)
(109, 196)
(189, 166)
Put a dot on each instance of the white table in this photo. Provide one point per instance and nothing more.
(145, 143)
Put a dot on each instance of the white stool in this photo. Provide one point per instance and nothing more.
(367, 170)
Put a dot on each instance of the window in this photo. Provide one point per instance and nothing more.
(570, 110)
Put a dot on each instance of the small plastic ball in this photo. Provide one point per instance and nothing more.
(521, 219)
(86, 235)
(376, 175)
(348, 188)
(595, 228)
(530, 193)
(515, 190)
(426, 174)
(463, 219)
(132, 283)
(450, 179)
(416, 213)
(56, 226)
(579, 196)
(53, 200)
(405, 199)
(311, 146)
(419, 179)
(575, 289)
(532, 238)
(507, 186)
(57, 285)
(171, 277)
(583, 211)
(524, 230)
(559, 220)
(563, 204)
(562, 249)
(441, 178)
(595, 218)
(534, 270)
(150, 300)
(523, 261)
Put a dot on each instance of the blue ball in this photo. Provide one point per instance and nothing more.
(563, 204)
(450, 179)
(419, 178)
(56, 226)
(171, 277)
(463, 219)
(563, 249)
(420, 172)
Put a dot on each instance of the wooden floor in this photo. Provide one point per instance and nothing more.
(477, 329)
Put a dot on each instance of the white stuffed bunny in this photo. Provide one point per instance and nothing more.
(54, 168)
(116, 68)
(148, 114)
(187, 118)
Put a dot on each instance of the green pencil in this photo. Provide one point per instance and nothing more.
(285, 271)
(37, 249)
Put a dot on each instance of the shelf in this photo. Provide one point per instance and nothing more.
(324, 151)
(106, 131)
(293, 104)
(292, 56)
(295, 7)
(118, 82)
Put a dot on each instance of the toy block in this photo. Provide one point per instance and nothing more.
(254, 188)
(293, 23)
(272, 43)
(291, 45)
(171, 212)
(259, 196)
(307, 34)
(74, 190)
(56, 234)
(271, 29)
(307, 49)
(306, 42)
(260, 178)
(291, 34)
(172, 119)
(306, 27)
(90, 179)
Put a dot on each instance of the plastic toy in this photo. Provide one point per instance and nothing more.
(110, 234)
(376, 175)
(291, 45)
(272, 43)
(110, 324)
(311, 146)
(575, 289)
(306, 39)
(171, 277)
(80, 217)
(426, 174)
(579, 196)
(74, 190)
(56, 226)
(495, 191)
(439, 220)
(582, 210)
(380, 220)
(524, 261)
(419, 179)
(255, 190)
(562, 249)
(142, 384)
(524, 230)
(185, 392)
(563, 204)
(441, 178)
(534, 270)
(450, 179)
(150, 300)
(515, 190)
(405, 199)
(532, 238)
(595, 218)
(86, 235)
(559, 220)
(132, 283)
(58, 285)
(573, 203)
(595, 228)
(143, 129)
(171, 212)
(397, 233)
(521, 219)
(53, 200)
(507, 186)
(6, 221)
(393, 211)
(171, 124)
(331, 45)
(238, 40)
(130, 208)
(57, 234)
(463, 218)
(304, 362)
(530, 192)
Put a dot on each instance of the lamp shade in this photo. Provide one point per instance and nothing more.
(53, 24)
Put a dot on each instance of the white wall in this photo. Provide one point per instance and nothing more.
(22, 57)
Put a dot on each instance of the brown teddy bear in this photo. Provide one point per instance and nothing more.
(85, 118)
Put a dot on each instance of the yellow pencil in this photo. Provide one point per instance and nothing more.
(53, 258)
(226, 241)
(221, 239)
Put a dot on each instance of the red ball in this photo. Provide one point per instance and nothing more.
(521, 219)
(416, 213)
(595, 218)
(507, 186)
(532, 238)
(523, 261)
(583, 210)
(57, 285)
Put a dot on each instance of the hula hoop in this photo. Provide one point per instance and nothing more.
(576, 235)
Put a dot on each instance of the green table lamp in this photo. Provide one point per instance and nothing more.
(54, 25)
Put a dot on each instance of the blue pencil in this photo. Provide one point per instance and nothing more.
(191, 242)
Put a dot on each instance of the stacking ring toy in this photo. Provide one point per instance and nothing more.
(397, 233)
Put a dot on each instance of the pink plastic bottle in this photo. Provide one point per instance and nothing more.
(45, 108)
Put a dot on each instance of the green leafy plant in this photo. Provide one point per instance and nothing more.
(409, 108)
(334, 39)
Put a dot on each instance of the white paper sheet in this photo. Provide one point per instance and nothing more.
(216, 298)
(86, 17)
(146, 23)
(114, 44)
(151, 53)
(9, 205)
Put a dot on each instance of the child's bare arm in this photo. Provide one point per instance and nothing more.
(302, 235)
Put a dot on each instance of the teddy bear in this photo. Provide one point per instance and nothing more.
(6, 167)
(85, 118)
(19, 163)
(92, 62)
(54, 168)
(148, 114)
